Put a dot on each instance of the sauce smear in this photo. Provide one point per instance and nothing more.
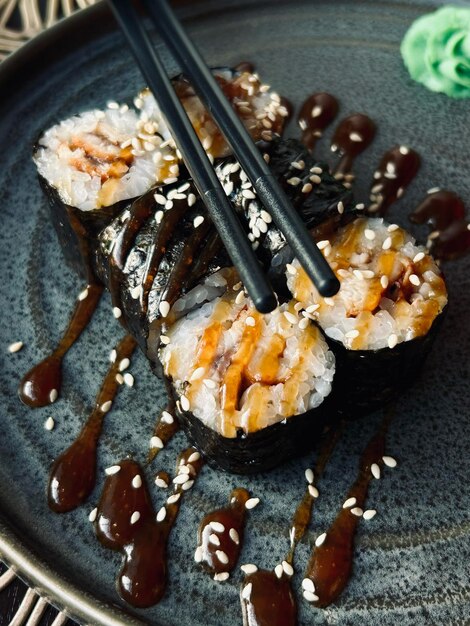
(352, 136)
(268, 600)
(41, 385)
(72, 476)
(396, 170)
(315, 115)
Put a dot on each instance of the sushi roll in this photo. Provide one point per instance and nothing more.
(251, 390)
(383, 320)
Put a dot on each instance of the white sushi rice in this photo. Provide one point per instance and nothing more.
(391, 288)
(283, 369)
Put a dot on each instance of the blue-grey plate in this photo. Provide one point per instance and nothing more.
(411, 564)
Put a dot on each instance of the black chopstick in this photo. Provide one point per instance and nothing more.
(220, 210)
(269, 191)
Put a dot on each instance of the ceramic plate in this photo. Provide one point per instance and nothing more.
(411, 564)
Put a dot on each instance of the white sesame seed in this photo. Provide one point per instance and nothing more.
(298, 165)
(313, 491)
(369, 514)
(321, 245)
(197, 374)
(137, 481)
(251, 503)
(191, 199)
(221, 555)
(384, 281)
(250, 321)
(361, 206)
(124, 364)
(316, 111)
(414, 280)
(356, 137)
(161, 514)
(164, 308)
(387, 244)
(180, 479)
(173, 498)
(295, 180)
(49, 423)
(304, 323)
(198, 220)
(291, 269)
(309, 475)
(307, 188)
(249, 568)
(278, 570)
(167, 418)
(156, 442)
(195, 456)
(433, 190)
(315, 179)
(112, 356)
(128, 379)
(217, 527)
(340, 207)
(369, 234)
(105, 407)
(198, 554)
(165, 340)
(113, 105)
(221, 577)
(288, 569)
(312, 308)
(357, 511)
(117, 312)
(135, 517)
(114, 469)
(228, 188)
(290, 317)
(404, 150)
(159, 217)
(246, 591)
(375, 469)
(308, 585)
(316, 170)
(419, 257)
(392, 341)
(83, 295)
(247, 193)
(320, 540)
(92, 515)
(329, 301)
(214, 539)
(309, 596)
(349, 503)
(160, 198)
(389, 461)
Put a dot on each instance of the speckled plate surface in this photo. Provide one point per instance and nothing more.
(411, 565)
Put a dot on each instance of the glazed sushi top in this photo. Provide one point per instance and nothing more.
(100, 157)
(392, 290)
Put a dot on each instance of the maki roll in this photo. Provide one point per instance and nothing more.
(383, 320)
(250, 389)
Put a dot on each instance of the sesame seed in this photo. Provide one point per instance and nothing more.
(15, 347)
(251, 503)
(375, 469)
(389, 461)
(161, 514)
(246, 591)
(313, 491)
(137, 481)
(117, 312)
(387, 244)
(221, 577)
(316, 170)
(135, 517)
(308, 585)
(49, 423)
(315, 179)
(164, 308)
(303, 324)
(213, 538)
(295, 180)
(105, 407)
(361, 206)
(307, 188)
(217, 527)
(290, 317)
(392, 341)
(368, 274)
(369, 234)
(349, 503)
(156, 442)
(309, 475)
(250, 321)
(329, 301)
(419, 257)
(159, 217)
(265, 216)
(159, 198)
(112, 356)
(404, 150)
(288, 569)
(249, 568)
(113, 105)
(191, 199)
(228, 188)
(316, 111)
(198, 554)
(392, 228)
(83, 295)
(221, 555)
(310, 597)
(321, 245)
(165, 340)
(356, 137)
(433, 190)
(278, 570)
(312, 308)
(173, 498)
(114, 469)
(234, 536)
(135, 293)
(92, 515)
(414, 280)
(167, 418)
(340, 207)
(128, 379)
(180, 479)
(384, 282)
(320, 540)
(369, 514)
(197, 374)
(357, 511)
(247, 193)
(298, 165)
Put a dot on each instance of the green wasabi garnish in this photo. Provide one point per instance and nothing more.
(436, 51)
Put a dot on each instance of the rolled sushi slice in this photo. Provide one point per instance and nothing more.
(250, 389)
(383, 320)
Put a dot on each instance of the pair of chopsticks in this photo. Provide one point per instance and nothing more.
(220, 210)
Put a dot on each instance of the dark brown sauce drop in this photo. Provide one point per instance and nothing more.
(72, 476)
(126, 522)
(166, 427)
(315, 115)
(41, 385)
(331, 562)
(444, 211)
(268, 600)
(352, 136)
(397, 168)
(220, 534)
